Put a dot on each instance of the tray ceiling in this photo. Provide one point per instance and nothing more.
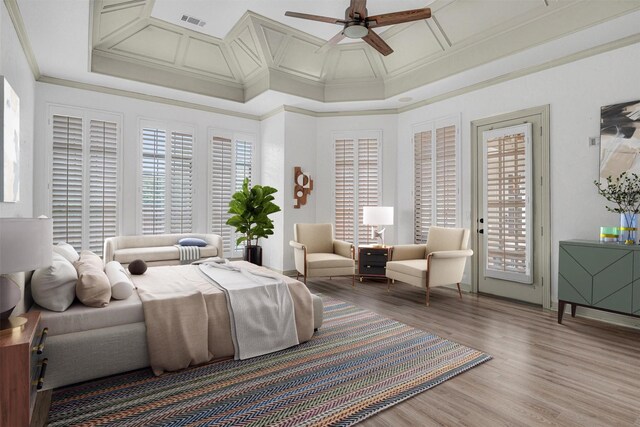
(260, 53)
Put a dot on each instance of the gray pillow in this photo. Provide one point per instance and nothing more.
(54, 287)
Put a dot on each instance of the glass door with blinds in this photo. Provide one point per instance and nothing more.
(357, 183)
(509, 207)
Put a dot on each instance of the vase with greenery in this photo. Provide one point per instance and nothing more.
(624, 193)
(251, 208)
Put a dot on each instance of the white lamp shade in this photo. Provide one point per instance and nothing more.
(377, 215)
(25, 244)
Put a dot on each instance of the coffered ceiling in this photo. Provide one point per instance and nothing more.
(250, 59)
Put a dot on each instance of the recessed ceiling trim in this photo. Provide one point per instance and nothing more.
(18, 25)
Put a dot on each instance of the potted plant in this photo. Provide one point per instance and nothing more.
(251, 208)
(624, 192)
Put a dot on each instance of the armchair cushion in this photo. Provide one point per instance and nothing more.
(402, 252)
(412, 267)
(324, 260)
(316, 237)
(447, 239)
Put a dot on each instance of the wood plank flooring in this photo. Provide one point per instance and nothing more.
(581, 373)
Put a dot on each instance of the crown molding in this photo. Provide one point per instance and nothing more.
(18, 25)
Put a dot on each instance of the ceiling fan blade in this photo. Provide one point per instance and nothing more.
(376, 42)
(332, 42)
(359, 7)
(315, 18)
(398, 17)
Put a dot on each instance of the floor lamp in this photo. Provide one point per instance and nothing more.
(25, 244)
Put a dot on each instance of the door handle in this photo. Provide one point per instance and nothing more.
(481, 231)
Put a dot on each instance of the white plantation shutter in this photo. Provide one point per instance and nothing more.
(221, 190)
(368, 184)
(153, 180)
(344, 189)
(507, 205)
(181, 182)
(423, 201)
(436, 178)
(67, 174)
(103, 182)
(357, 184)
(244, 158)
(446, 177)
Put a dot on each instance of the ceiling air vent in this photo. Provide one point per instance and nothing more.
(192, 20)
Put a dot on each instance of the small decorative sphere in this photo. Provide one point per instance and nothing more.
(137, 267)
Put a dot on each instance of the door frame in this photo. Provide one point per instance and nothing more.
(545, 194)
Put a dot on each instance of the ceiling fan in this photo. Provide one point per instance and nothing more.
(358, 25)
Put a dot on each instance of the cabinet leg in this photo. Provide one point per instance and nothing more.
(560, 310)
(573, 310)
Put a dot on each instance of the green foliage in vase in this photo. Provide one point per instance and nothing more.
(251, 208)
(623, 191)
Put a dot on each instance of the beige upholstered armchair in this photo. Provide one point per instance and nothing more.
(318, 254)
(440, 262)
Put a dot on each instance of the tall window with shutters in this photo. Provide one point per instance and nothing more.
(436, 176)
(231, 162)
(84, 176)
(167, 178)
(356, 184)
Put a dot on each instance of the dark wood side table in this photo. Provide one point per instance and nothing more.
(22, 371)
(372, 261)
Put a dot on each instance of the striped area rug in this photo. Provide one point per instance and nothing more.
(357, 364)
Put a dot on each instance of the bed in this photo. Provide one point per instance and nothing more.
(85, 343)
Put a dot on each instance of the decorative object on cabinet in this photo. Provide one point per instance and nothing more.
(372, 261)
(624, 193)
(603, 276)
(619, 139)
(609, 234)
(22, 249)
(303, 185)
(375, 216)
(22, 371)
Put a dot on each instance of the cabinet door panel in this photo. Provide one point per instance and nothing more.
(574, 281)
(612, 285)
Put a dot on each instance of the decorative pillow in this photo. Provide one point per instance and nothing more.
(92, 288)
(121, 285)
(137, 267)
(54, 287)
(192, 241)
(67, 251)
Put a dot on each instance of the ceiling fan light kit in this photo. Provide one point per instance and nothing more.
(358, 25)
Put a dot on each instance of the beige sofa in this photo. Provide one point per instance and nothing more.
(438, 263)
(156, 249)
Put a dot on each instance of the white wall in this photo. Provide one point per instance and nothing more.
(327, 127)
(14, 66)
(575, 93)
(132, 111)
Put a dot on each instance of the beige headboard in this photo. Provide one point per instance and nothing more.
(24, 281)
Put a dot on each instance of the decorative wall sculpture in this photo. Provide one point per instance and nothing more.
(619, 139)
(303, 184)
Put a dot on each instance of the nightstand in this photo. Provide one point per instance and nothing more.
(22, 371)
(372, 261)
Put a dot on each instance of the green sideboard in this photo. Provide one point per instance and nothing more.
(604, 276)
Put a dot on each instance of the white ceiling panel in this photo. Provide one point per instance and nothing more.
(206, 57)
(151, 42)
(116, 18)
(301, 57)
(411, 43)
(353, 63)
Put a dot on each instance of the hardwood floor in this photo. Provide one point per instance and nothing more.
(581, 373)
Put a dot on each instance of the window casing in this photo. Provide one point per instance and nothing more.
(436, 176)
(357, 183)
(167, 178)
(84, 176)
(231, 160)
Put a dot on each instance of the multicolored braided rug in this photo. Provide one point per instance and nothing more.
(357, 364)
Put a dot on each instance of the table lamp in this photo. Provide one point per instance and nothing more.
(375, 216)
(25, 244)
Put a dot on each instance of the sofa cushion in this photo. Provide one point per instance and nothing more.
(54, 287)
(412, 267)
(192, 241)
(158, 253)
(323, 260)
(93, 288)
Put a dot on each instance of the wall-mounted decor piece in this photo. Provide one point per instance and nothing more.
(303, 184)
(10, 147)
(619, 139)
